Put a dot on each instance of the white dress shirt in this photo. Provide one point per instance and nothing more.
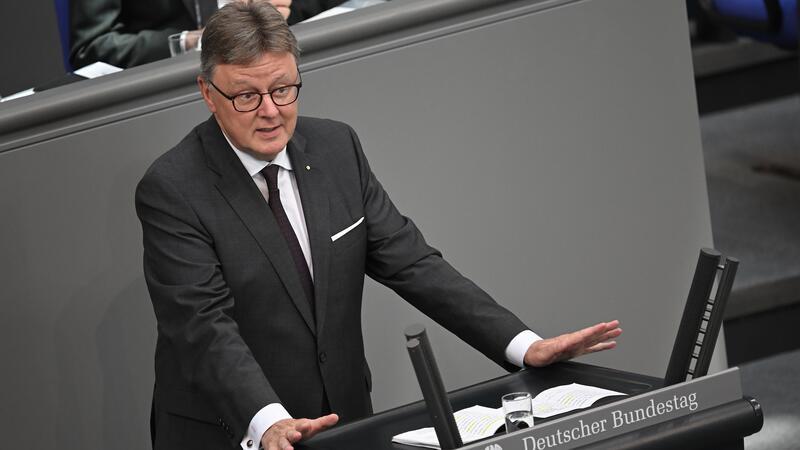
(290, 198)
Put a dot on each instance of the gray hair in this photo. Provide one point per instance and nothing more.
(241, 32)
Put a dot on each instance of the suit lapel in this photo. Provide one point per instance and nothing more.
(236, 185)
(311, 182)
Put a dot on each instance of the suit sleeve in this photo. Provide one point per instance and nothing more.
(193, 306)
(399, 258)
(97, 35)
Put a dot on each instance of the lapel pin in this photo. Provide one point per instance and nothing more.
(308, 167)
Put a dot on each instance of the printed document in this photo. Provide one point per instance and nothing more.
(568, 397)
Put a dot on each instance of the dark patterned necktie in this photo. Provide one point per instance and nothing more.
(271, 174)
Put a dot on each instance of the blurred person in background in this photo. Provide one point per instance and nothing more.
(127, 33)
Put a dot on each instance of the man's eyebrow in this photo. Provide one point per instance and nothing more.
(239, 84)
(281, 80)
(285, 78)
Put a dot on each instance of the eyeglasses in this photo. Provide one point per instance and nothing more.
(250, 101)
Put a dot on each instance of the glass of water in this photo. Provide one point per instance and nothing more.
(517, 408)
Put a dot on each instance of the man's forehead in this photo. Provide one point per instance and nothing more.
(278, 66)
(265, 61)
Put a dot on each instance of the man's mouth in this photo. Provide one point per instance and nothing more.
(268, 131)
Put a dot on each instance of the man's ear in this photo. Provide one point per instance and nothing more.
(205, 91)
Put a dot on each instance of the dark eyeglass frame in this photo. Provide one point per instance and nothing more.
(261, 95)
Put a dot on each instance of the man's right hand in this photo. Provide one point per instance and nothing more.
(283, 433)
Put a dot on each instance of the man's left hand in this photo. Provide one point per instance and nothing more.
(588, 340)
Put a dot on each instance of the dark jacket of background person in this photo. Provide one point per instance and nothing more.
(127, 33)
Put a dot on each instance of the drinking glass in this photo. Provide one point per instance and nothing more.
(517, 408)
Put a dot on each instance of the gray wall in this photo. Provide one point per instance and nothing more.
(551, 150)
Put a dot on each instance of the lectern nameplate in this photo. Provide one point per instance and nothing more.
(630, 414)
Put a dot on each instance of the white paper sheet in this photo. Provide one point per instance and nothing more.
(568, 397)
(97, 69)
(475, 422)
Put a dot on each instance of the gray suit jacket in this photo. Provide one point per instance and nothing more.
(235, 331)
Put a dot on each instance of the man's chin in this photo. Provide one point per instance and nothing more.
(267, 152)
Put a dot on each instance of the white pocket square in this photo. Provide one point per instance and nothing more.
(346, 230)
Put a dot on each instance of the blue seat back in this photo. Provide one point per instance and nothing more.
(62, 14)
(767, 20)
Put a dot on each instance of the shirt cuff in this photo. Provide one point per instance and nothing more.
(183, 41)
(261, 422)
(516, 349)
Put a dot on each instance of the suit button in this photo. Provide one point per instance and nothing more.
(250, 443)
(323, 357)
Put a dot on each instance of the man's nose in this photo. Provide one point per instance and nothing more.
(267, 107)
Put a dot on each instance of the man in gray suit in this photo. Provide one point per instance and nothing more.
(259, 228)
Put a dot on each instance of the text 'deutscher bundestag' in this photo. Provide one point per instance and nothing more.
(625, 416)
